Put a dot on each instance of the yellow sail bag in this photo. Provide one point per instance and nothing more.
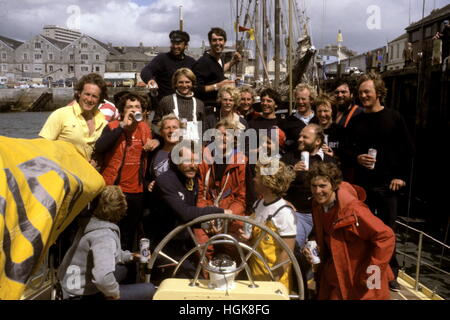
(44, 185)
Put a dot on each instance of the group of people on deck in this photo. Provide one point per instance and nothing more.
(210, 149)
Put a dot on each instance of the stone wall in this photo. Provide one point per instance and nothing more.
(22, 99)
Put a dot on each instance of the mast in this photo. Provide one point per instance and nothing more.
(257, 22)
(291, 7)
(265, 36)
(277, 43)
(181, 18)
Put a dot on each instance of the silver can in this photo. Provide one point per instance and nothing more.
(144, 248)
(312, 247)
(325, 139)
(248, 228)
(305, 159)
(138, 116)
(372, 153)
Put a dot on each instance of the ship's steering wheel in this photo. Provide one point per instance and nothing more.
(225, 238)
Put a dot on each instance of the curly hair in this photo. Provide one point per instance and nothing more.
(132, 97)
(380, 87)
(271, 93)
(311, 89)
(92, 78)
(327, 170)
(280, 181)
(233, 92)
(248, 89)
(112, 205)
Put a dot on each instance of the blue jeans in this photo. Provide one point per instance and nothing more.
(304, 228)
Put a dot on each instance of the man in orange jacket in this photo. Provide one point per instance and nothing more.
(354, 245)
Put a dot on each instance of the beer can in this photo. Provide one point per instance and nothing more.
(138, 116)
(144, 248)
(305, 159)
(312, 247)
(372, 153)
(248, 228)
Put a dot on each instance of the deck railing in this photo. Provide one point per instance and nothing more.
(419, 262)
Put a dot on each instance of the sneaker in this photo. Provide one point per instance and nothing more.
(394, 286)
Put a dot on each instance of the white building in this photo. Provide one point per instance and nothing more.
(61, 34)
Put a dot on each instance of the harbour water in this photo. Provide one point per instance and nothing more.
(22, 124)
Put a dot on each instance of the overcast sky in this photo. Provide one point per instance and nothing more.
(365, 24)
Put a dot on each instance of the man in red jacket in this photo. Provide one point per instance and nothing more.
(124, 145)
(354, 245)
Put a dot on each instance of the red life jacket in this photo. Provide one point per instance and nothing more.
(126, 163)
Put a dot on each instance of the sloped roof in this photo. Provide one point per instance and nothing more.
(14, 44)
(403, 36)
(111, 49)
(434, 15)
(130, 56)
(59, 44)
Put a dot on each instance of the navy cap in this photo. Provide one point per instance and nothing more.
(179, 36)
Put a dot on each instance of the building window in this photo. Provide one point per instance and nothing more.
(84, 69)
(50, 56)
(25, 68)
(97, 57)
(50, 68)
(4, 67)
(25, 56)
(84, 46)
(134, 65)
(38, 56)
(97, 69)
(84, 57)
(398, 51)
(4, 55)
(37, 45)
(428, 33)
(392, 53)
(71, 57)
(122, 66)
(71, 69)
(415, 36)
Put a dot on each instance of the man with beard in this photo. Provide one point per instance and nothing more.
(158, 73)
(210, 68)
(344, 101)
(382, 176)
(177, 189)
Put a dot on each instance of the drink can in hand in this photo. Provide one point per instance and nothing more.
(373, 153)
(138, 116)
(305, 159)
(312, 247)
(144, 248)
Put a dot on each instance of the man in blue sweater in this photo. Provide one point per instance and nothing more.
(178, 190)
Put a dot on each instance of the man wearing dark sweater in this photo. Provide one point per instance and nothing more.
(210, 68)
(299, 194)
(160, 70)
(382, 176)
(177, 190)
